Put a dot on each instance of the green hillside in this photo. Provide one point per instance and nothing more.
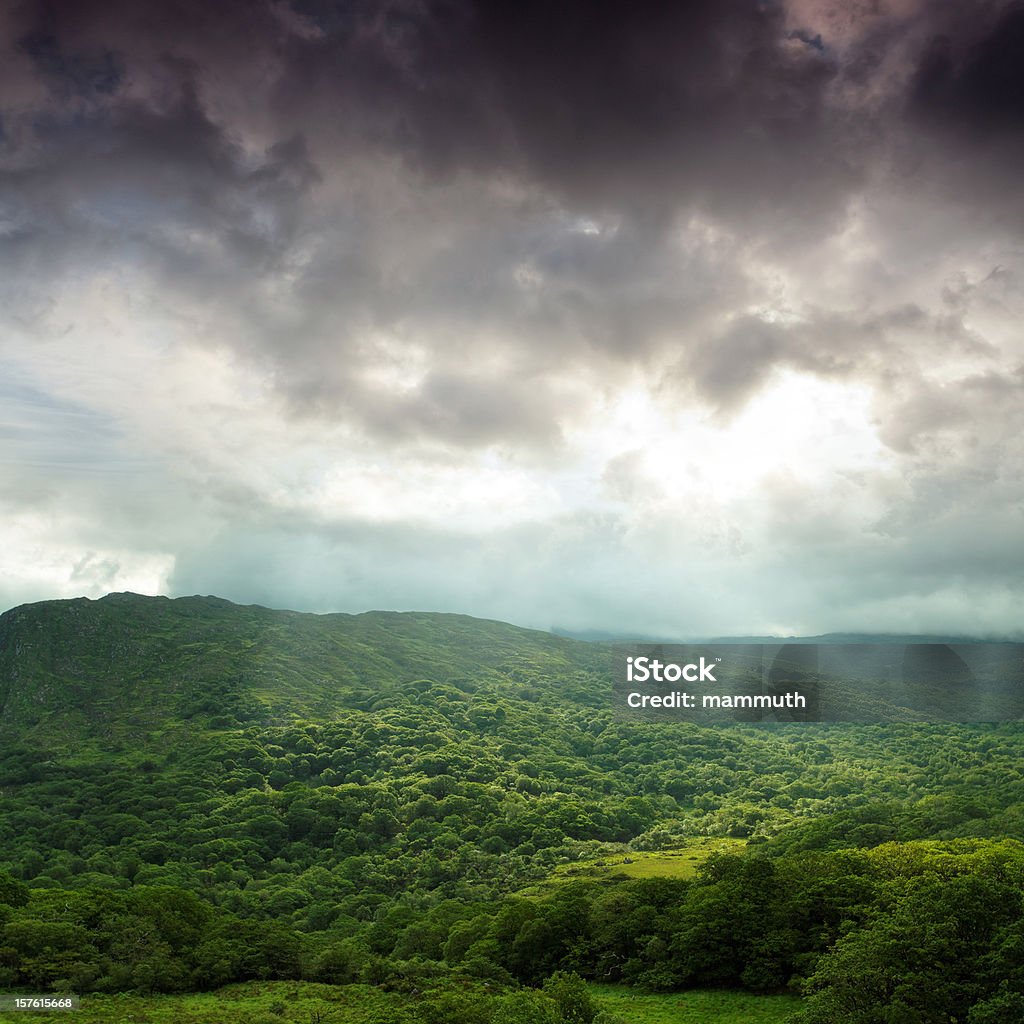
(74, 670)
(195, 794)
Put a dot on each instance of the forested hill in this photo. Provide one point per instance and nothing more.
(131, 663)
(132, 667)
(194, 793)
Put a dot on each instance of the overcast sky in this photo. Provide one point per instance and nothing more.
(672, 318)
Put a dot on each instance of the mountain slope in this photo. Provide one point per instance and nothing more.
(125, 663)
(193, 792)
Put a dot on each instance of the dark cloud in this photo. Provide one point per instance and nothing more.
(972, 80)
(281, 264)
(84, 75)
(202, 133)
(653, 102)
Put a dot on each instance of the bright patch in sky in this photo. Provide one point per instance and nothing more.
(31, 551)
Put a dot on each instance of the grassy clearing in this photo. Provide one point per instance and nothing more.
(678, 862)
(711, 1007)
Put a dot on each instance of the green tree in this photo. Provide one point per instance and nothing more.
(525, 1007)
(574, 1002)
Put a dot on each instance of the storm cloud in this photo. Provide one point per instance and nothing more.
(682, 318)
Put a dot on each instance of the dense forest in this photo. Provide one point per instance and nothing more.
(194, 794)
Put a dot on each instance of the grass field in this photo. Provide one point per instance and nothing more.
(306, 1003)
(694, 1007)
(678, 862)
(278, 1002)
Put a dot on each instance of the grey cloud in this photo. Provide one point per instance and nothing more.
(467, 408)
(970, 78)
(82, 74)
(557, 98)
(724, 371)
(442, 226)
(167, 191)
(736, 365)
(634, 110)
